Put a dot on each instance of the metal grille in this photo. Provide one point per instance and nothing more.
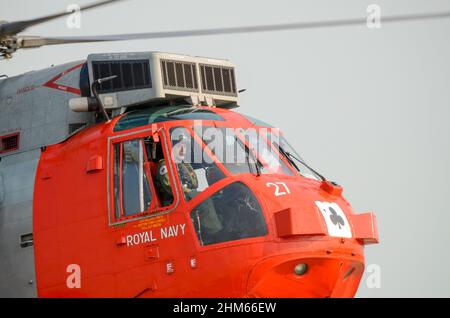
(218, 80)
(26, 240)
(179, 75)
(133, 74)
(9, 143)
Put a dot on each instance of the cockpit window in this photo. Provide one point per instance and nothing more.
(152, 115)
(232, 213)
(130, 179)
(196, 170)
(272, 163)
(229, 147)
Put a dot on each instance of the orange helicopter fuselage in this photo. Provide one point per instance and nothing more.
(81, 251)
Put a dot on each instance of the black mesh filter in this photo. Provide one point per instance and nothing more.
(133, 74)
(203, 73)
(226, 80)
(188, 74)
(218, 79)
(233, 81)
(9, 143)
(171, 74)
(209, 79)
(180, 74)
(164, 72)
(194, 72)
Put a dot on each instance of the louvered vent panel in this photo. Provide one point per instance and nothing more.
(131, 75)
(179, 75)
(218, 80)
(9, 142)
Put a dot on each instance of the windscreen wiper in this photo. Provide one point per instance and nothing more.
(257, 163)
(247, 157)
(291, 161)
(290, 157)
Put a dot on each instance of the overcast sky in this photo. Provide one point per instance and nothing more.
(369, 108)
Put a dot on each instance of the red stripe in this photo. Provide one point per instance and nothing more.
(51, 83)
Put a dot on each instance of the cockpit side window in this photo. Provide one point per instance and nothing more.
(232, 213)
(131, 184)
(141, 182)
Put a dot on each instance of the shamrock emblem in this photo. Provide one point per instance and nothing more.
(335, 218)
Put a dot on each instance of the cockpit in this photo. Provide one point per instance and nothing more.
(198, 155)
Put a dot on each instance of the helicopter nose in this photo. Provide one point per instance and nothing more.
(302, 208)
(292, 277)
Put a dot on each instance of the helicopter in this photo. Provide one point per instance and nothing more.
(130, 175)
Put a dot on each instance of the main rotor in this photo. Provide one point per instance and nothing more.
(11, 40)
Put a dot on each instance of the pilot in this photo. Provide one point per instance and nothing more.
(188, 178)
(163, 183)
(206, 212)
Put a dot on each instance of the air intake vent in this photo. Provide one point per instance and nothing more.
(130, 75)
(9, 142)
(26, 240)
(218, 80)
(179, 75)
(171, 78)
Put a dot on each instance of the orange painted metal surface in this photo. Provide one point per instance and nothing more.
(74, 223)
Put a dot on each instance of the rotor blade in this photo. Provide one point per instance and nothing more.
(29, 42)
(12, 28)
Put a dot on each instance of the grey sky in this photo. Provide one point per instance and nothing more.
(368, 108)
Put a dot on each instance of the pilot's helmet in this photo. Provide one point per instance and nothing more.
(188, 177)
(180, 149)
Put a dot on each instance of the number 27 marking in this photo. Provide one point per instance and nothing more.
(277, 185)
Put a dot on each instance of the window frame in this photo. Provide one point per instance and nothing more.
(152, 211)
